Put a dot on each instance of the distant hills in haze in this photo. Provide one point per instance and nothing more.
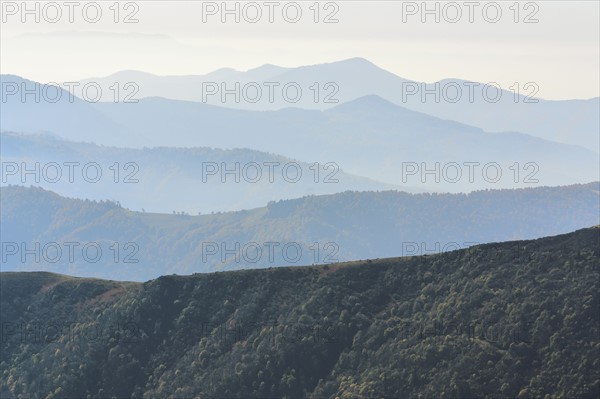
(368, 137)
(167, 179)
(518, 108)
(315, 229)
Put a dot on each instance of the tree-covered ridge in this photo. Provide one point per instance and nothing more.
(166, 179)
(514, 319)
(342, 227)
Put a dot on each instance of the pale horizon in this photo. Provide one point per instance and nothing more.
(559, 52)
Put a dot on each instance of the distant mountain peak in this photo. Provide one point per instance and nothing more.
(267, 66)
(130, 74)
(356, 60)
(266, 71)
(224, 70)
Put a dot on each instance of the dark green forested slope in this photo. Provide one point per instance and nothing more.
(516, 319)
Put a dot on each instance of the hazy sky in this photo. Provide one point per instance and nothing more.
(560, 52)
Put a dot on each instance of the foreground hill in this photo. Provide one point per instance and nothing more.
(517, 319)
(66, 234)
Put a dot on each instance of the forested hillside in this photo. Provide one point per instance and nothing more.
(517, 319)
(102, 239)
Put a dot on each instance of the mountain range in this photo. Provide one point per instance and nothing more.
(167, 179)
(44, 231)
(484, 104)
(369, 137)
